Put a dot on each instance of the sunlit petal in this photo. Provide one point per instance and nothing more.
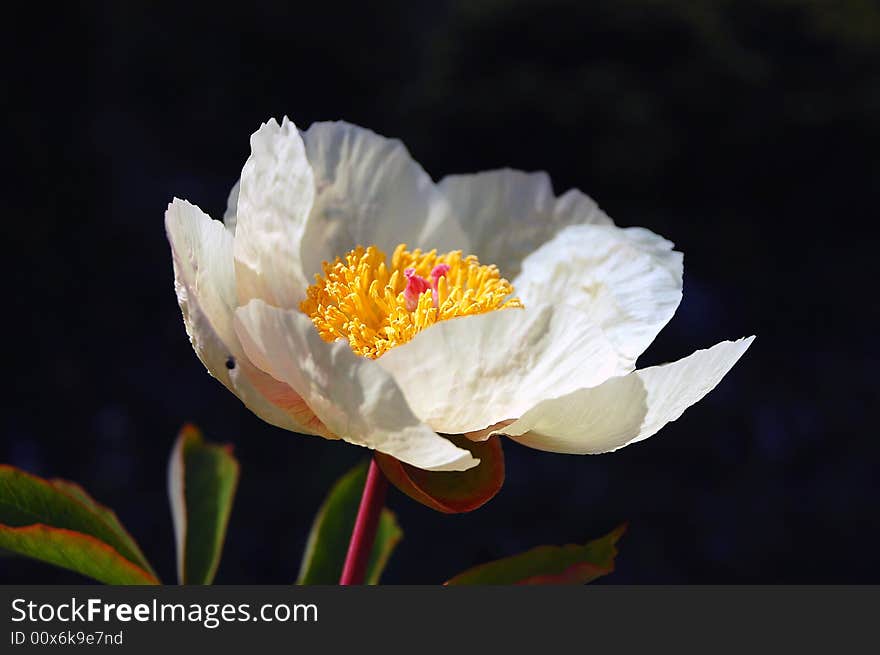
(625, 409)
(628, 281)
(205, 286)
(466, 374)
(274, 199)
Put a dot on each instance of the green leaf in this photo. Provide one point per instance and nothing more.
(107, 515)
(570, 564)
(331, 530)
(76, 551)
(27, 500)
(202, 480)
(388, 535)
(451, 492)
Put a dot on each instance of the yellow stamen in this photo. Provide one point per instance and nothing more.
(361, 299)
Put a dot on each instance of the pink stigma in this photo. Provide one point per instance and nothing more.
(416, 285)
(438, 271)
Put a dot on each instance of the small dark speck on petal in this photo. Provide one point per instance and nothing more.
(230, 363)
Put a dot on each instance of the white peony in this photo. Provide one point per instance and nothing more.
(312, 303)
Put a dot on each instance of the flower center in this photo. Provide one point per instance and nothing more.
(376, 306)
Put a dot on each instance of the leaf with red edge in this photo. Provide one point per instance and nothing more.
(107, 515)
(27, 500)
(59, 523)
(451, 492)
(75, 551)
(570, 564)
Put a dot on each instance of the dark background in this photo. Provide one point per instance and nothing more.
(745, 132)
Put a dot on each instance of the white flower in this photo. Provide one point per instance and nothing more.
(554, 370)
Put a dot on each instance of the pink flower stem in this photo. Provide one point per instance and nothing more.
(364, 533)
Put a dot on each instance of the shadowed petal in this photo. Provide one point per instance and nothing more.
(230, 216)
(370, 191)
(507, 214)
(353, 396)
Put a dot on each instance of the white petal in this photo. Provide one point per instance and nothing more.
(507, 213)
(205, 286)
(275, 196)
(464, 374)
(354, 397)
(492, 430)
(230, 216)
(626, 409)
(628, 281)
(370, 191)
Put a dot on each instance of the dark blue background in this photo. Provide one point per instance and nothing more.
(746, 132)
